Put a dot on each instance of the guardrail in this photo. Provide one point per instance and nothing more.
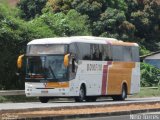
(12, 92)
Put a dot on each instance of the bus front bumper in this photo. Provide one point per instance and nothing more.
(37, 89)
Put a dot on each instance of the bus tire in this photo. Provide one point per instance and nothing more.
(82, 94)
(91, 99)
(123, 95)
(43, 99)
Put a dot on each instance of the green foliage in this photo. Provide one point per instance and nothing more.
(16, 33)
(143, 51)
(107, 18)
(15, 99)
(128, 20)
(92, 8)
(149, 75)
(59, 24)
(147, 20)
(147, 92)
(31, 8)
(11, 43)
(109, 21)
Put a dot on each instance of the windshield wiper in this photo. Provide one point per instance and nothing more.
(52, 72)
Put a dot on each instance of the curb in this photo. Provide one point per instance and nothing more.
(92, 115)
(75, 107)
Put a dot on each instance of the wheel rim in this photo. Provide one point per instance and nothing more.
(123, 93)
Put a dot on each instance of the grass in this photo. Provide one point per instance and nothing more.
(147, 92)
(21, 98)
(144, 92)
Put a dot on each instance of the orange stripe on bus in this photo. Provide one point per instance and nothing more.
(57, 85)
(119, 72)
(121, 43)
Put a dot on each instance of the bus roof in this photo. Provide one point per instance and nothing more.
(83, 39)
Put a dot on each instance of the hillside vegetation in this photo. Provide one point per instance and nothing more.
(127, 20)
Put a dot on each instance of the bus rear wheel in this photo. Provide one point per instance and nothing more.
(82, 94)
(123, 95)
(43, 99)
(91, 99)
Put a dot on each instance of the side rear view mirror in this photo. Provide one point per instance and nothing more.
(20, 61)
(66, 60)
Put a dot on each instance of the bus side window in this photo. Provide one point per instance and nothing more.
(117, 52)
(127, 53)
(106, 53)
(100, 52)
(73, 50)
(84, 49)
(96, 51)
(135, 54)
(73, 60)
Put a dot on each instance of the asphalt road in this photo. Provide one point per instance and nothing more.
(55, 104)
(142, 116)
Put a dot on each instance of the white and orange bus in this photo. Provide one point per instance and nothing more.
(82, 67)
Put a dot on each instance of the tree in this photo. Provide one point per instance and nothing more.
(16, 33)
(113, 23)
(144, 14)
(60, 24)
(130, 20)
(12, 41)
(149, 75)
(92, 8)
(105, 16)
(31, 8)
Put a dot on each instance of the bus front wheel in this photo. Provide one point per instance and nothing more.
(82, 94)
(43, 99)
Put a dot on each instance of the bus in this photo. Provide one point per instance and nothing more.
(81, 67)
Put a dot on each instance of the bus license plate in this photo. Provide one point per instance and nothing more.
(44, 91)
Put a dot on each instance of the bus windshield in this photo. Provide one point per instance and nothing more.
(49, 68)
